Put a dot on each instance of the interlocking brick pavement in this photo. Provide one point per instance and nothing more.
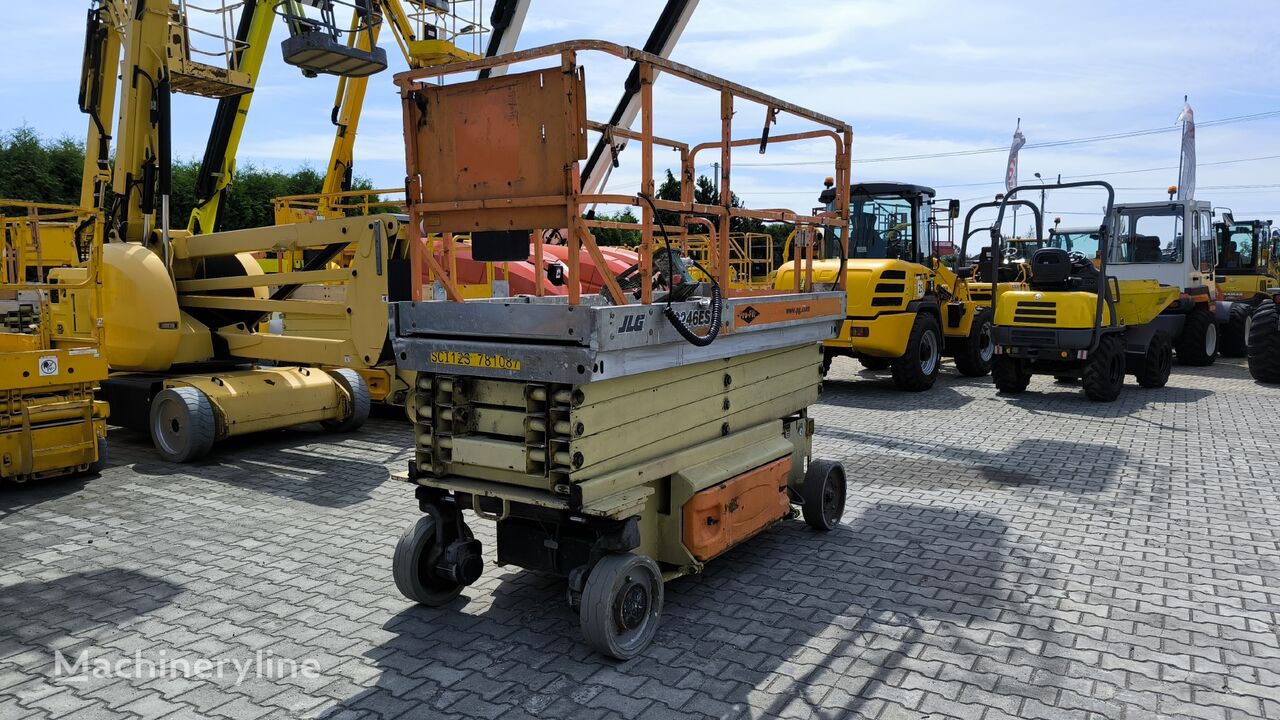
(1040, 556)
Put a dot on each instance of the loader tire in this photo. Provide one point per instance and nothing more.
(875, 363)
(1010, 375)
(355, 385)
(1197, 344)
(977, 350)
(1153, 368)
(1235, 336)
(917, 369)
(1264, 343)
(1103, 376)
(182, 424)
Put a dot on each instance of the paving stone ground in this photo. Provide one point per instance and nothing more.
(1041, 556)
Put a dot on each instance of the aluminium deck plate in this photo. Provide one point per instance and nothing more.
(548, 340)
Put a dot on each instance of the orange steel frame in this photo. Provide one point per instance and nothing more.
(572, 201)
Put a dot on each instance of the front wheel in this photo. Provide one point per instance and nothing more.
(1197, 344)
(1235, 336)
(977, 350)
(621, 604)
(1264, 343)
(1011, 375)
(358, 390)
(917, 369)
(1154, 367)
(419, 556)
(1103, 375)
(182, 424)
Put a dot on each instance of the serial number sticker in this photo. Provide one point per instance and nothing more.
(474, 359)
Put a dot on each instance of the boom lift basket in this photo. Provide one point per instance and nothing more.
(316, 43)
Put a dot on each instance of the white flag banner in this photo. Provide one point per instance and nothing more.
(1187, 178)
(1011, 175)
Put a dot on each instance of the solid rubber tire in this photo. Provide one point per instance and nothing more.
(197, 424)
(354, 384)
(596, 612)
(413, 580)
(825, 484)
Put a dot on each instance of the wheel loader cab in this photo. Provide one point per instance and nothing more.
(1244, 273)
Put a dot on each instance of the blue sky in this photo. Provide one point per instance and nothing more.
(913, 77)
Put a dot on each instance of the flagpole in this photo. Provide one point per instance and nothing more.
(1181, 160)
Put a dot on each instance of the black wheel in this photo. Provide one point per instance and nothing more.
(417, 554)
(1104, 370)
(1235, 336)
(916, 370)
(354, 384)
(621, 604)
(182, 424)
(1153, 368)
(823, 494)
(875, 363)
(97, 466)
(1197, 344)
(1066, 380)
(977, 350)
(827, 357)
(1264, 343)
(1011, 375)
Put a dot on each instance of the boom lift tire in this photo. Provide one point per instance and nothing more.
(1103, 376)
(1264, 344)
(413, 565)
(1152, 369)
(354, 384)
(621, 604)
(875, 363)
(977, 351)
(182, 424)
(1235, 336)
(1197, 345)
(823, 493)
(1010, 374)
(917, 369)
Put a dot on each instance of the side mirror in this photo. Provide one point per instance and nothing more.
(953, 208)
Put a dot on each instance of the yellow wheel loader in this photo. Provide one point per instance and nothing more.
(906, 309)
(1075, 321)
(1245, 270)
(51, 358)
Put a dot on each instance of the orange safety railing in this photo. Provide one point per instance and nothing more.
(499, 157)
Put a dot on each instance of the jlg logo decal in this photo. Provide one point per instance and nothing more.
(632, 324)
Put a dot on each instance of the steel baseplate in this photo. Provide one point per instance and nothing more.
(548, 340)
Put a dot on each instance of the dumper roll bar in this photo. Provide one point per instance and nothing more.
(436, 204)
(1104, 246)
(970, 231)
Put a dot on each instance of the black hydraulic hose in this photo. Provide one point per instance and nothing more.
(717, 299)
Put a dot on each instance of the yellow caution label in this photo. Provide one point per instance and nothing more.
(474, 359)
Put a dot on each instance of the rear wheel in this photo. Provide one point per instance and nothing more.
(917, 369)
(1153, 368)
(1103, 375)
(823, 493)
(977, 351)
(1235, 336)
(182, 424)
(621, 604)
(1011, 375)
(416, 560)
(1197, 344)
(1264, 343)
(358, 390)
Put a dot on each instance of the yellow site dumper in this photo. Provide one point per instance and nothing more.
(51, 358)
(620, 439)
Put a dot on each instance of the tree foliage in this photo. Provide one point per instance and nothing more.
(41, 170)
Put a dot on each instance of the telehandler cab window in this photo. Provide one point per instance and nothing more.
(883, 228)
(1149, 238)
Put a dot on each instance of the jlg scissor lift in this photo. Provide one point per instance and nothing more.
(620, 439)
(51, 358)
